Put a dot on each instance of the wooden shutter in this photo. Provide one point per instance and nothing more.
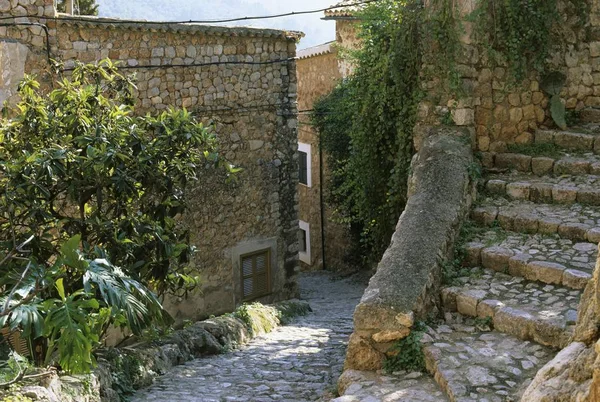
(17, 342)
(256, 274)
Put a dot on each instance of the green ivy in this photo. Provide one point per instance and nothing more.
(408, 352)
(520, 34)
(366, 125)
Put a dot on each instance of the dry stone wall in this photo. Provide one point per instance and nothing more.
(241, 82)
(504, 113)
(405, 287)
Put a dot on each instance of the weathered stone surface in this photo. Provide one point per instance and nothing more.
(519, 162)
(475, 365)
(576, 279)
(485, 216)
(443, 160)
(544, 271)
(369, 386)
(473, 254)
(542, 166)
(299, 362)
(528, 310)
(571, 166)
(466, 301)
(554, 382)
(496, 258)
(518, 190)
(575, 141)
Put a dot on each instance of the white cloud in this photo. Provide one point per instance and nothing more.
(316, 30)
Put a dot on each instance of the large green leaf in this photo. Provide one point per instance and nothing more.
(553, 83)
(558, 112)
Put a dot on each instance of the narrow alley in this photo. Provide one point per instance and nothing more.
(297, 362)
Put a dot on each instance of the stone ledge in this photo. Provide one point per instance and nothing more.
(141, 25)
(136, 366)
(405, 287)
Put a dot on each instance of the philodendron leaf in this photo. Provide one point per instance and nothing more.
(553, 83)
(557, 109)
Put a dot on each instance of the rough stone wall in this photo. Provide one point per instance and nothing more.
(317, 76)
(405, 287)
(346, 33)
(252, 107)
(574, 374)
(505, 114)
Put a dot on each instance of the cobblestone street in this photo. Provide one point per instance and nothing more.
(297, 362)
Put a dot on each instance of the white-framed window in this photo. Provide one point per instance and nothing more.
(304, 241)
(304, 160)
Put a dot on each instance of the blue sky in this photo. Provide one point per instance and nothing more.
(316, 30)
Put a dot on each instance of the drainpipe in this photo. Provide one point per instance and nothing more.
(321, 201)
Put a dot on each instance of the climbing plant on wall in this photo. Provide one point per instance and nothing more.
(366, 124)
(520, 34)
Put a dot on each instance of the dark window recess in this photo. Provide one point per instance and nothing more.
(302, 239)
(256, 275)
(303, 161)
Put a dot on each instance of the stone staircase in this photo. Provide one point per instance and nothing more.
(529, 251)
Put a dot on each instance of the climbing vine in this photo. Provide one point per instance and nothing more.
(367, 123)
(519, 33)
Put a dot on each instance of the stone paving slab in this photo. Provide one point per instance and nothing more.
(366, 386)
(567, 189)
(494, 249)
(481, 366)
(298, 362)
(529, 310)
(576, 222)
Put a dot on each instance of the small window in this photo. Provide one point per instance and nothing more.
(256, 274)
(304, 242)
(304, 159)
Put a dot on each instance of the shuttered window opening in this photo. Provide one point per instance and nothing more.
(17, 342)
(303, 161)
(302, 240)
(256, 274)
(304, 164)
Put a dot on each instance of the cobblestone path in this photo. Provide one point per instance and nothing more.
(297, 362)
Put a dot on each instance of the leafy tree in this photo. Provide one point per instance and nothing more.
(84, 181)
(81, 7)
(367, 122)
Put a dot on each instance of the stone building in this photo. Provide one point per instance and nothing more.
(323, 242)
(241, 81)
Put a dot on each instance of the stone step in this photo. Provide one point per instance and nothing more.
(528, 310)
(590, 115)
(474, 365)
(542, 165)
(528, 266)
(357, 386)
(585, 138)
(584, 189)
(575, 222)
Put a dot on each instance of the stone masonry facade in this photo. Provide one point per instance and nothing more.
(503, 114)
(240, 82)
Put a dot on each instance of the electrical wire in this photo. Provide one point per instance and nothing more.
(236, 19)
(215, 63)
(35, 24)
